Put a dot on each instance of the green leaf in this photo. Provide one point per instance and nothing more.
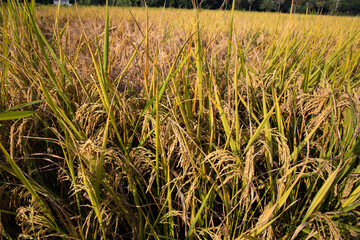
(27, 184)
(191, 229)
(321, 194)
(26, 104)
(15, 115)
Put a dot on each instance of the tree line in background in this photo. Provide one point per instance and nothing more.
(342, 7)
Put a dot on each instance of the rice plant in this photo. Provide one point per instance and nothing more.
(137, 123)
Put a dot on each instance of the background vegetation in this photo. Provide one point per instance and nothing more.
(143, 123)
(335, 7)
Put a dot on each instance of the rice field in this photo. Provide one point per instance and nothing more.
(136, 123)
